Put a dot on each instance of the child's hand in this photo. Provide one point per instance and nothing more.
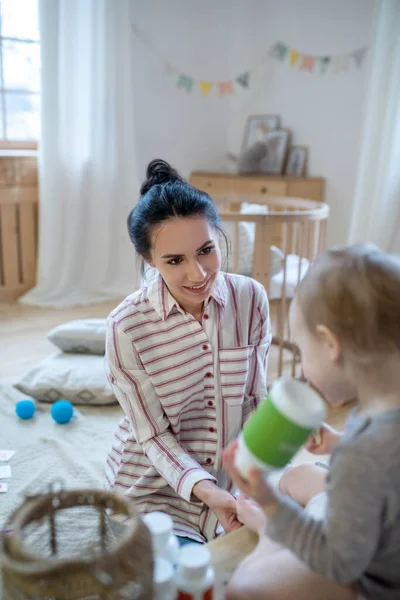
(255, 486)
(250, 514)
(324, 441)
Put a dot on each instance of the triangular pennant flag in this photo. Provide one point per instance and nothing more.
(359, 55)
(225, 88)
(244, 79)
(324, 62)
(340, 63)
(279, 51)
(205, 87)
(307, 63)
(186, 82)
(293, 57)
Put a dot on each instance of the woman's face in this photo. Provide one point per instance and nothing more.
(320, 361)
(187, 254)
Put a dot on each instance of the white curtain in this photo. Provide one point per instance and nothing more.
(376, 214)
(87, 157)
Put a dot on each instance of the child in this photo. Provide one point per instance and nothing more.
(346, 321)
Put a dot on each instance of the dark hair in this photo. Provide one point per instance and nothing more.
(165, 195)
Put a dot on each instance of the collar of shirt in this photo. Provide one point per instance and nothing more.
(163, 302)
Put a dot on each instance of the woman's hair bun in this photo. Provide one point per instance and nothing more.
(158, 172)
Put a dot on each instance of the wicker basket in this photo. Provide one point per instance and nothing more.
(111, 569)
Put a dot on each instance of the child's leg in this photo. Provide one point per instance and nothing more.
(272, 572)
(303, 482)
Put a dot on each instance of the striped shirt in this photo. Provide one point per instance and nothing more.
(186, 389)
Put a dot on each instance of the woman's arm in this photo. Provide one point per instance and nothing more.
(137, 397)
(260, 337)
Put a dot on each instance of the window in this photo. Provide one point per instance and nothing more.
(19, 74)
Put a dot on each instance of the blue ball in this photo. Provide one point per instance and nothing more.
(62, 411)
(25, 409)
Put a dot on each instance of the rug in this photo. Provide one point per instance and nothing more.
(71, 455)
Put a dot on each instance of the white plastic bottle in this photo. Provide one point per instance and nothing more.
(163, 579)
(165, 543)
(195, 576)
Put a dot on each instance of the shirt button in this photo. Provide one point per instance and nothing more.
(208, 375)
(205, 347)
(209, 461)
(205, 316)
(211, 430)
(210, 403)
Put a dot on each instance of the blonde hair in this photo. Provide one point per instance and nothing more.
(355, 292)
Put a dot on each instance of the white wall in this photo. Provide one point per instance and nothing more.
(218, 39)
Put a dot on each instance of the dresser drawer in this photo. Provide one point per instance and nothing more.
(238, 184)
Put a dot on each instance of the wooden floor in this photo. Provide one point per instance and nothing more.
(23, 341)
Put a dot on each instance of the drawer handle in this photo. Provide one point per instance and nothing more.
(209, 184)
(264, 190)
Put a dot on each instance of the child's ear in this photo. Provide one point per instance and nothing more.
(327, 337)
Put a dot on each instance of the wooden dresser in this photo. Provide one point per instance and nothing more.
(218, 184)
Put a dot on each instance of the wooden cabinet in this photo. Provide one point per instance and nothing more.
(218, 184)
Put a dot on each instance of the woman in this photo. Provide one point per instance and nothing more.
(186, 357)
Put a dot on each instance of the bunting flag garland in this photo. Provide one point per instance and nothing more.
(243, 80)
(293, 57)
(205, 87)
(280, 51)
(314, 62)
(225, 88)
(307, 63)
(186, 82)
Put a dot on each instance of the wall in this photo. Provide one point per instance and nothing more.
(217, 40)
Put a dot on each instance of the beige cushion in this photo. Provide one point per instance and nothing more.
(84, 336)
(79, 378)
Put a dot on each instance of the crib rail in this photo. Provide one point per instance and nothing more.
(297, 227)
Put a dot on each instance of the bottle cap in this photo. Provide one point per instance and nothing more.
(160, 526)
(193, 561)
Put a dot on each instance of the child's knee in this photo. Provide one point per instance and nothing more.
(300, 477)
(244, 590)
(232, 592)
(291, 477)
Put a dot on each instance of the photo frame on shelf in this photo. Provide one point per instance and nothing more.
(297, 161)
(257, 127)
(277, 142)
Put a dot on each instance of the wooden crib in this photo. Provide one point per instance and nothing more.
(281, 244)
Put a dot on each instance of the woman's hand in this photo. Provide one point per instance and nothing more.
(324, 441)
(221, 502)
(255, 486)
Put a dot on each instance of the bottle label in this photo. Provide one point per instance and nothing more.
(206, 595)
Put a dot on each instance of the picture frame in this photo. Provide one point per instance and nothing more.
(256, 128)
(297, 161)
(277, 142)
